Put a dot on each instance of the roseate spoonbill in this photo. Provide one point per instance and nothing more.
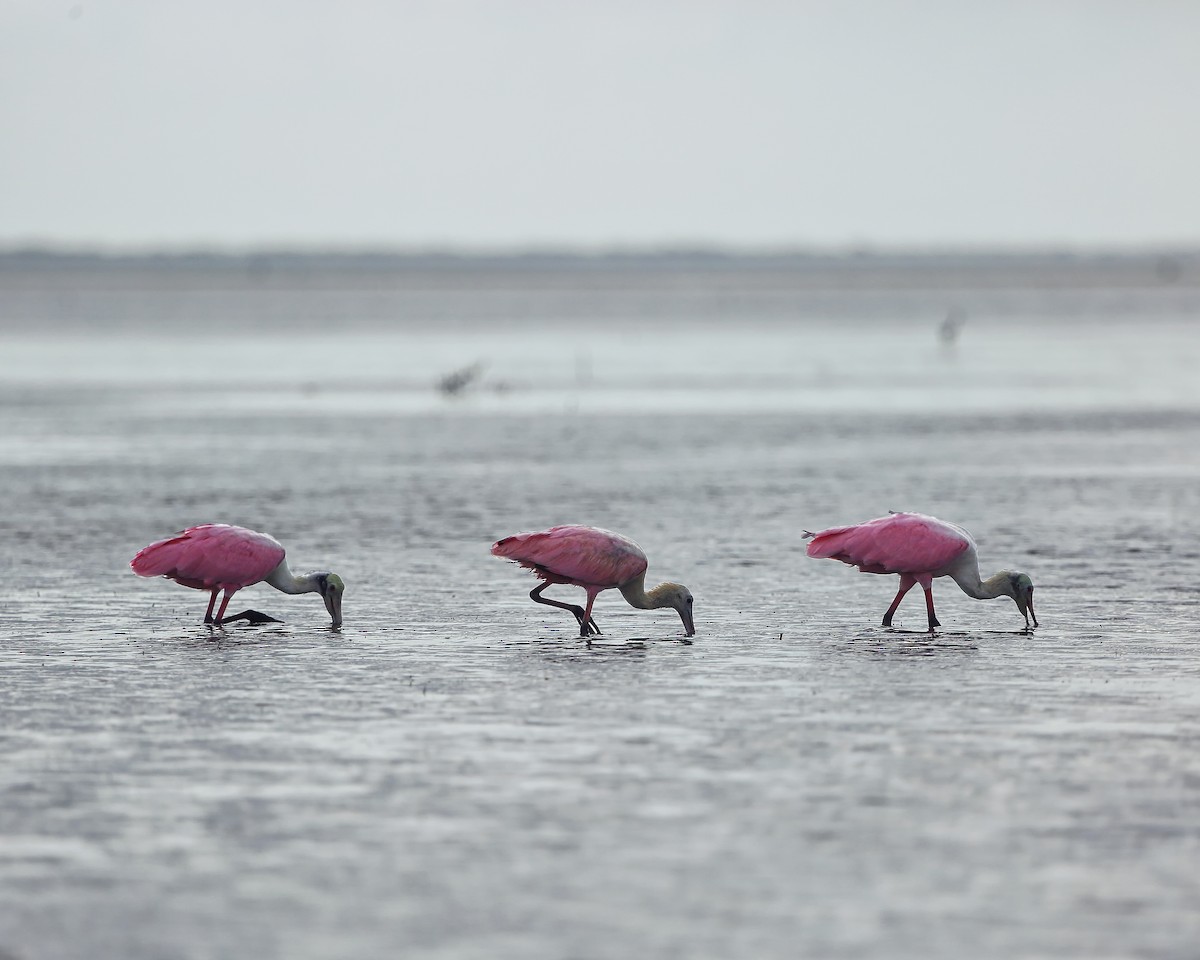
(217, 556)
(596, 560)
(920, 548)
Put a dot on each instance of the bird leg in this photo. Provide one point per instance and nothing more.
(212, 602)
(906, 584)
(224, 603)
(933, 620)
(586, 624)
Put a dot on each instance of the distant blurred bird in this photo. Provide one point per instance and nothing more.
(457, 381)
(596, 560)
(920, 548)
(951, 326)
(217, 556)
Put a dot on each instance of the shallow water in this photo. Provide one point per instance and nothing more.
(454, 774)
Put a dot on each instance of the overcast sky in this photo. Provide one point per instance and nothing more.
(477, 123)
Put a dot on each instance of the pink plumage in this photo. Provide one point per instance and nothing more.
(584, 556)
(898, 543)
(212, 556)
(596, 560)
(919, 549)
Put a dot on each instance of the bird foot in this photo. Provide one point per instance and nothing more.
(586, 626)
(250, 616)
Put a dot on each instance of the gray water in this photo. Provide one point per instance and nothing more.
(455, 774)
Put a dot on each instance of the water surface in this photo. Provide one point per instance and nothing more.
(454, 774)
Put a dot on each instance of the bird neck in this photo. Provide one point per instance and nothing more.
(637, 596)
(282, 578)
(997, 585)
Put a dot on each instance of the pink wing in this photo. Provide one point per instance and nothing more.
(211, 555)
(897, 543)
(576, 554)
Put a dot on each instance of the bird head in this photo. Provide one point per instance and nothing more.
(680, 597)
(1022, 593)
(331, 588)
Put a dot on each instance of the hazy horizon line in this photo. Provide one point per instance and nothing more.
(592, 251)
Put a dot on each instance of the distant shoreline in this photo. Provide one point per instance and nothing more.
(866, 266)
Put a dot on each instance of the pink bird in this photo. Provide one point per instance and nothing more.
(217, 556)
(596, 560)
(920, 548)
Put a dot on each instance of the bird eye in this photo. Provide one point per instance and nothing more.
(689, 599)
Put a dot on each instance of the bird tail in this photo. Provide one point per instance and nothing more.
(829, 543)
(517, 549)
(160, 558)
(505, 547)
